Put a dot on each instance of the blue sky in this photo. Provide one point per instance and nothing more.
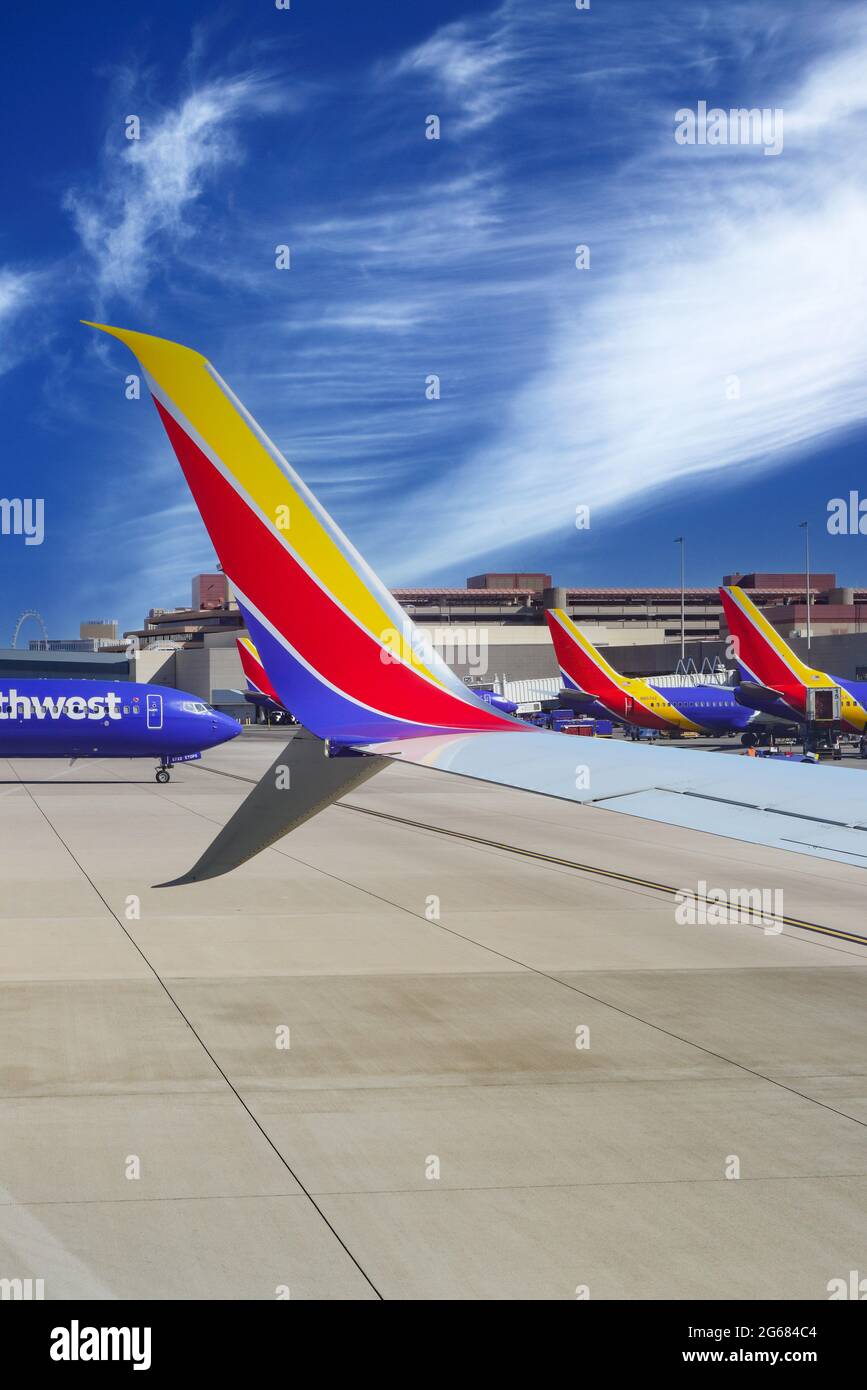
(607, 387)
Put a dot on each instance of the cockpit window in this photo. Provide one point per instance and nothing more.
(194, 707)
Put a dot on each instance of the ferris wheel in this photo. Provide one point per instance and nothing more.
(38, 618)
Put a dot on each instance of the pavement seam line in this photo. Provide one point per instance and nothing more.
(481, 843)
(201, 1042)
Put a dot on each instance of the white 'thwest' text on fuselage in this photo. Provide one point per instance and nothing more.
(15, 706)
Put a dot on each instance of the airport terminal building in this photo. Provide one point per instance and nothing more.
(492, 629)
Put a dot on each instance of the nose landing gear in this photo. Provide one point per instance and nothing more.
(162, 774)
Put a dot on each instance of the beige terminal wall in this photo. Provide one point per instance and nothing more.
(476, 652)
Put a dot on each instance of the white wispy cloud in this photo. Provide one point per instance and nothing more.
(15, 290)
(486, 65)
(141, 208)
(713, 273)
(472, 70)
(559, 387)
(18, 290)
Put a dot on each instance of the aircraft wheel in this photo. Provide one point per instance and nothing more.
(748, 740)
(162, 775)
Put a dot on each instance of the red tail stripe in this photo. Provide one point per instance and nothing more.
(754, 649)
(333, 645)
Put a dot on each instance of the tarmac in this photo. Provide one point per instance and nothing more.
(386, 1061)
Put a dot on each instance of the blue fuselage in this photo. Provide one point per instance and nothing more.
(106, 719)
(714, 707)
(497, 701)
(791, 699)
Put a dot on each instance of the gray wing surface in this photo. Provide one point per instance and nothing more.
(795, 806)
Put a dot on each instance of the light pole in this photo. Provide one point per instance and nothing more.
(679, 540)
(805, 527)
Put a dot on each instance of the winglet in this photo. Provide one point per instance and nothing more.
(338, 649)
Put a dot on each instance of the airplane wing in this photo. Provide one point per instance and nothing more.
(813, 810)
(362, 679)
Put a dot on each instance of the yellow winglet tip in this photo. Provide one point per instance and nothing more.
(128, 336)
(107, 328)
(153, 352)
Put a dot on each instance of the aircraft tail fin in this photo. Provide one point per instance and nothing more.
(254, 672)
(581, 665)
(760, 652)
(339, 651)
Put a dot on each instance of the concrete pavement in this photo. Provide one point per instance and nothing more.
(431, 1130)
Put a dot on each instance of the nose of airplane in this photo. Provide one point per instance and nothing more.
(224, 727)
